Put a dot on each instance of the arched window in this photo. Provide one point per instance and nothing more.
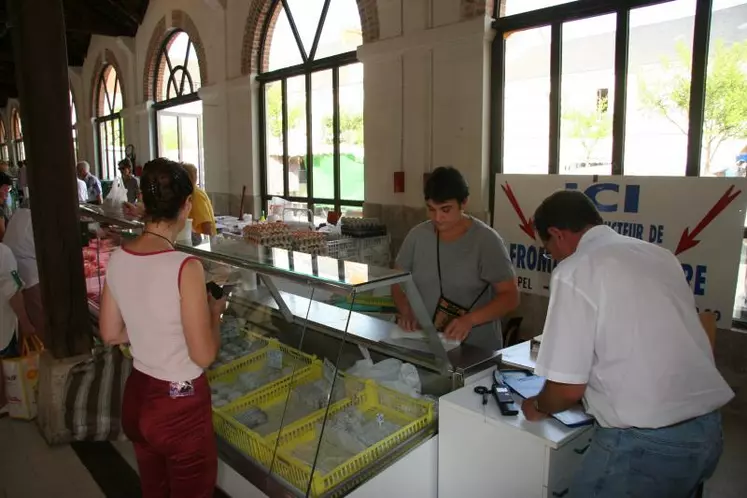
(178, 107)
(74, 124)
(3, 143)
(109, 128)
(312, 105)
(17, 135)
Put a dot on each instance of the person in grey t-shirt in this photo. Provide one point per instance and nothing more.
(476, 285)
(130, 181)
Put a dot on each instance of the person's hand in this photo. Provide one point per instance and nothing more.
(408, 324)
(217, 306)
(530, 412)
(134, 210)
(26, 332)
(459, 328)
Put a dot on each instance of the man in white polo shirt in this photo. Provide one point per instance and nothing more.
(622, 333)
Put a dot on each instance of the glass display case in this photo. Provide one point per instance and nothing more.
(310, 398)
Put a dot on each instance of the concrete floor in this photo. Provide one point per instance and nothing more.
(31, 469)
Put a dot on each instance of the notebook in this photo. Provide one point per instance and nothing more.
(531, 385)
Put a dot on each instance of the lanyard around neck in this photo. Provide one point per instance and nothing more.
(440, 283)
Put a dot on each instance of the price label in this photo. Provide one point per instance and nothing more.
(329, 370)
(275, 359)
(380, 419)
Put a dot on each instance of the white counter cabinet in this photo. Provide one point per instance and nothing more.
(482, 454)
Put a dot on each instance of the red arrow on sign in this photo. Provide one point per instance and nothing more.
(687, 240)
(527, 226)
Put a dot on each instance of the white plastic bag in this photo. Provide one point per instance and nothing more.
(391, 373)
(21, 377)
(116, 197)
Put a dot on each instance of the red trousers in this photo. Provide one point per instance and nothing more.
(173, 438)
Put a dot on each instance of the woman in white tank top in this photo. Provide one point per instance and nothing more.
(155, 299)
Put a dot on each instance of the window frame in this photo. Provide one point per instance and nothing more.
(181, 98)
(306, 68)
(200, 143)
(16, 132)
(108, 171)
(555, 17)
(4, 149)
(74, 126)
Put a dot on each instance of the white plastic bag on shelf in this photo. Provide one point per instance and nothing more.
(391, 373)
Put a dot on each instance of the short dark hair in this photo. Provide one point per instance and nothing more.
(566, 210)
(125, 163)
(5, 179)
(445, 184)
(165, 186)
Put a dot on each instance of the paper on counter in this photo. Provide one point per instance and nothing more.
(397, 334)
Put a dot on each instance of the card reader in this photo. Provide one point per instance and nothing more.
(502, 396)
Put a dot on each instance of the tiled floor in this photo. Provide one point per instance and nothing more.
(31, 469)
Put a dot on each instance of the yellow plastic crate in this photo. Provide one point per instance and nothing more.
(259, 447)
(219, 371)
(416, 415)
(254, 361)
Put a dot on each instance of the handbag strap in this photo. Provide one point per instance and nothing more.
(440, 283)
(438, 262)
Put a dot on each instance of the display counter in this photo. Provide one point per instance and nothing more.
(311, 398)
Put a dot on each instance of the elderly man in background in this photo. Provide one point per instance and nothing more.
(93, 184)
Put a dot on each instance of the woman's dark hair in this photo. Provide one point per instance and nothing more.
(566, 210)
(165, 186)
(446, 184)
(5, 179)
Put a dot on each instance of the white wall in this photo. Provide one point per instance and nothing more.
(425, 99)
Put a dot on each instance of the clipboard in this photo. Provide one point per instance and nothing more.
(528, 386)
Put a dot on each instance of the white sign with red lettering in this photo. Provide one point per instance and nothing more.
(701, 220)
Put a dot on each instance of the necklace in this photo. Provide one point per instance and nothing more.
(160, 236)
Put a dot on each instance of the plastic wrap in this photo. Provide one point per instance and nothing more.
(347, 434)
(235, 343)
(246, 382)
(391, 373)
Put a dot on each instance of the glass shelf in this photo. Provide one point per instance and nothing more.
(334, 274)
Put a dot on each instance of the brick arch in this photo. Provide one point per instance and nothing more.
(180, 20)
(97, 100)
(259, 11)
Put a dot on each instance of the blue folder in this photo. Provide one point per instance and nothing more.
(528, 386)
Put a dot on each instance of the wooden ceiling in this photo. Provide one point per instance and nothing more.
(83, 18)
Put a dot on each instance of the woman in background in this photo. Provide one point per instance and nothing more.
(6, 184)
(203, 217)
(19, 237)
(155, 299)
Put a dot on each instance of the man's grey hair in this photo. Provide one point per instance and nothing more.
(84, 165)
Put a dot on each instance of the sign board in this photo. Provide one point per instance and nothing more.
(701, 220)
